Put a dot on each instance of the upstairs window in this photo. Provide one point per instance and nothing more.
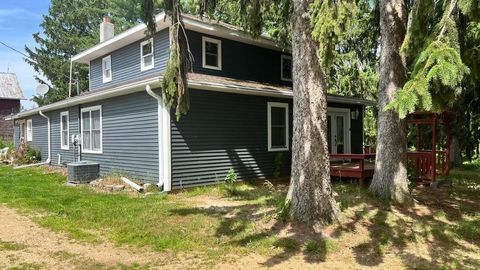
(146, 55)
(286, 68)
(91, 126)
(107, 69)
(212, 53)
(277, 126)
(29, 130)
(64, 130)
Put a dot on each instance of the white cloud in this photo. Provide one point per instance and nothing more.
(8, 12)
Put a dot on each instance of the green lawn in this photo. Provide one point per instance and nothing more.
(442, 230)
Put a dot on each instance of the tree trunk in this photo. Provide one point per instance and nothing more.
(390, 177)
(310, 193)
(455, 152)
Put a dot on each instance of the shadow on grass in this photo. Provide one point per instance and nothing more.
(249, 228)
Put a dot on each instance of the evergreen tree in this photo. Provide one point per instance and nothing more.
(308, 24)
(70, 27)
(390, 176)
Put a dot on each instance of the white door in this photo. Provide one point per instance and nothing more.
(338, 122)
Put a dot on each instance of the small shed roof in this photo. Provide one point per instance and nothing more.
(9, 86)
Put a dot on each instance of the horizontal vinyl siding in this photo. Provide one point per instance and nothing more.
(130, 137)
(240, 60)
(69, 155)
(223, 131)
(126, 62)
(39, 135)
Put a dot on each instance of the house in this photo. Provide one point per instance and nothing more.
(240, 114)
(10, 96)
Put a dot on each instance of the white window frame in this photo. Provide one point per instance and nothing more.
(281, 67)
(105, 78)
(29, 131)
(269, 116)
(22, 129)
(142, 62)
(90, 109)
(62, 146)
(219, 53)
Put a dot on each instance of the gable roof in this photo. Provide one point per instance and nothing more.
(194, 23)
(9, 86)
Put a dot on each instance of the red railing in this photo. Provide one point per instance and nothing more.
(425, 164)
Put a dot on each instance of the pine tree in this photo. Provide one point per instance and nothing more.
(70, 27)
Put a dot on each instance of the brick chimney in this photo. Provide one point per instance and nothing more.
(106, 29)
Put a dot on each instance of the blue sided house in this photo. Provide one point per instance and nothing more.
(240, 113)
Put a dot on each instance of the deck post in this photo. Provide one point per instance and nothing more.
(447, 153)
(434, 148)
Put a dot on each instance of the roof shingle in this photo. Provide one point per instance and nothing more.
(9, 86)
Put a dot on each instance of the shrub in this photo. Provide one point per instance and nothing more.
(31, 156)
(283, 210)
(230, 180)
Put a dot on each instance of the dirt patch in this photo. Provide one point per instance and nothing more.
(25, 244)
(54, 169)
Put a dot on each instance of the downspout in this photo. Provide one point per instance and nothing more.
(48, 134)
(163, 142)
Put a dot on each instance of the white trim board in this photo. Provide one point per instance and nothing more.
(143, 67)
(204, 53)
(67, 114)
(104, 78)
(271, 105)
(90, 109)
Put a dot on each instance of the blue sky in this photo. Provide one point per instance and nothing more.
(19, 19)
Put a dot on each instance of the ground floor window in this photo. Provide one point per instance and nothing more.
(278, 136)
(29, 130)
(64, 130)
(91, 126)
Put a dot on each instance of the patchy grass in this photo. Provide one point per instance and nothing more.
(11, 246)
(440, 231)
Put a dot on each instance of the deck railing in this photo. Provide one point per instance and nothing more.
(425, 166)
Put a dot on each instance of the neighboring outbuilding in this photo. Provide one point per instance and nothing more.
(10, 96)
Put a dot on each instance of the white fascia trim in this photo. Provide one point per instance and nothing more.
(204, 53)
(90, 109)
(93, 96)
(236, 89)
(67, 114)
(271, 105)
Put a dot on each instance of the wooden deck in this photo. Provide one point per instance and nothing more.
(358, 166)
